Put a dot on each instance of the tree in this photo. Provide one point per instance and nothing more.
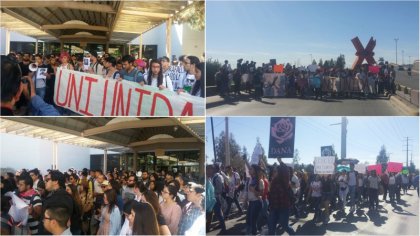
(326, 64)
(320, 63)
(236, 160)
(341, 62)
(412, 167)
(381, 61)
(332, 63)
(313, 62)
(382, 158)
(212, 66)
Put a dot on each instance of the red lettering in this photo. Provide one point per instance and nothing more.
(165, 99)
(73, 89)
(141, 92)
(86, 111)
(188, 109)
(113, 99)
(104, 100)
(120, 100)
(58, 91)
(127, 109)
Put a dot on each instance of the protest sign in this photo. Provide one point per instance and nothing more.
(278, 68)
(86, 63)
(324, 165)
(361, 168)
(312, 68)
(327, 151)
(374, 69)
(394, 167)
(19, 209)
(377, 168)
(40, 73)
(274, 85)
(92, 95)
(282, 137)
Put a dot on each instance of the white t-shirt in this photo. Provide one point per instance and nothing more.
(342, 180)
(251, 195)
(166, 82)
(316, 189)
(392, 180)
(296, 182)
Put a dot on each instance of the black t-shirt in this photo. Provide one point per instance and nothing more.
(24, 68)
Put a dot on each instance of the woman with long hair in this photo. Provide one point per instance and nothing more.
(255, 188)
(170, 208)
(143, 219)
(152, 198)
(110, 215)
(86, 198)
(198, 86)
(155, 77)
(76, 218)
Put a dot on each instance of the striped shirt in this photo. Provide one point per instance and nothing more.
(31, 197)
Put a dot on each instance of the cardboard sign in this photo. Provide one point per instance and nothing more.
(377, 168)
(394, 167)
(374, 69)
(312, 68)
(92, 95)
(282, 137)
(324, 165)
(274, 85)
(361, 168)
(278, 68)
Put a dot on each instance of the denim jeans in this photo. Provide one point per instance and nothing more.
(352, 192)
(229, 204)
(254, 208)
(218, 212)
(263, 216)
(41, 92)
(282, 215)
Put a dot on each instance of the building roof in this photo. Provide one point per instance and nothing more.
(88, 21)
(123, 134)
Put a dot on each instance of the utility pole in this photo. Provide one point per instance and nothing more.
(214, 145)
(227, 156)
(344, 123)
(406, 149)
(396, 43)
(402, 54)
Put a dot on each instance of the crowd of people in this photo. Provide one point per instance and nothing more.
(310, 82)
(272, 195)
(186, 75)
(89, 202)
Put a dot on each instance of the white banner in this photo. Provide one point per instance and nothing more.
(361, 168)
(324, 165)
(92, 95)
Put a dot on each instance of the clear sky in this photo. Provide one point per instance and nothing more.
(365, 136)
(291, 31)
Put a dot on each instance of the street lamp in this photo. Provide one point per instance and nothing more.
(396, 43)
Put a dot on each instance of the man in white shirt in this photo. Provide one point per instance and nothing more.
(352, 186)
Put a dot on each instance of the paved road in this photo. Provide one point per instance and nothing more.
(400, 219)
(404, 79)
(296, 107)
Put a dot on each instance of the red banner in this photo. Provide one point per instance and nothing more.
(395, 167)
(377, 168)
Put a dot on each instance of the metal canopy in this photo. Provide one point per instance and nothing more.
(116, 134)
(99, 21)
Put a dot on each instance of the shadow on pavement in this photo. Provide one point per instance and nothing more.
(376, 218)
(399, 210)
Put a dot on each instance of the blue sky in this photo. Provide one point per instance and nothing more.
(365, 136)
(291, 31)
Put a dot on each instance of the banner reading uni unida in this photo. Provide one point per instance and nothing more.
(282, 137)
(93, 95)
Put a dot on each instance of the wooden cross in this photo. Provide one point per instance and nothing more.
(364, 53)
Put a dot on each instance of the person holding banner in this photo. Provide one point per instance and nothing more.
(198, 85)
(129, 71)
(95, 67)
(111, 71)
(190, 63)
(392, 187)
(155, 77)
(64, 59)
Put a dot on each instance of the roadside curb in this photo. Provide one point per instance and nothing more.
(404, 106)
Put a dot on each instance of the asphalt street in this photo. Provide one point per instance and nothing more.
(399, 219)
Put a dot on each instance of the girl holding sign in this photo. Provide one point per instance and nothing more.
(155, 77)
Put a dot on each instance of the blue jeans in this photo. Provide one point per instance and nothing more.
(263, 216)
(41, 92)
(218, 212)
(282, 215)
(352, 192)
(254, 208)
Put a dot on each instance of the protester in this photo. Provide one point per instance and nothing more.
(129, 71)
(143, 219)
(111, 71)
(374, 182)
(55, 220)
(192, 211)
(110, 215)
(156, 78)
(95, 67)
(170, 208)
